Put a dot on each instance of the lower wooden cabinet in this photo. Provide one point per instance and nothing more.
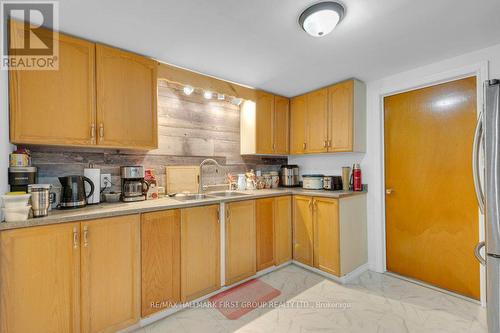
(282, 229)
(330, 234)
(71, 277)
(40, 279)
(110, 273)
(303, 229)
(161, 260)
(240, 240)
(200, 251)
(264, 220)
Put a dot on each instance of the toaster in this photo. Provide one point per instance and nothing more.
(332, 183)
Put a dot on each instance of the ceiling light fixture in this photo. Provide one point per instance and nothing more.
(188, 90)
(207, 94)
(320, 19)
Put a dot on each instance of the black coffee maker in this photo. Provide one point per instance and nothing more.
(73, 191)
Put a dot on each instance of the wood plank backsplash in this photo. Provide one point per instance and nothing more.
(191, 128)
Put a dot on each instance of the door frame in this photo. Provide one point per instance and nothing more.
(480, 71)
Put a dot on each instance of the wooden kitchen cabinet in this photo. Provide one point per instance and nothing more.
(200, 251)
(282, 229)
(303, 230)
(264, 125)
(330, 234)
(240, 240)
(161, 260)
(126, 99)
(264, 220)
(40, 279)
(317, 121)
(326, 235)
(54, 107)
(332, 119)
(110, 273)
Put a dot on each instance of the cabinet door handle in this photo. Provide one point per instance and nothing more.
(228, 215)
(75, 238)
(325, 144)
(85, 236)
(315, 204)
(92, 132)
(304, 146)
(101, 131)
(310, 204)
(218, 215)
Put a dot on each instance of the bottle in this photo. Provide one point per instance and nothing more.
(357, 184)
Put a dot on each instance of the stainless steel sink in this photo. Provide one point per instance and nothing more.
(191, 196)
(227, 194)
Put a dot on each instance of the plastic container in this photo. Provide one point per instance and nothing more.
(15, 200)
(15, 214)
(112, 197)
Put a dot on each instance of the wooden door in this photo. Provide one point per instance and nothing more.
(126, 99)
(303, 229)
(40, 279)
(340, 111)
(240, 240)
(55, 107)
(282, 229)
(161, 260)
(431, 209)
(298, 123)
(281, 125)
(326, 235)
(317, 121)
(264, 213)
(111, 273)
(200, 251)
(264, 122)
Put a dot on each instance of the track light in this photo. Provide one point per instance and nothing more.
(207, 94)
(188, 90)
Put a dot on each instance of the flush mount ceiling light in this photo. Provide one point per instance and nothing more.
(320, 19)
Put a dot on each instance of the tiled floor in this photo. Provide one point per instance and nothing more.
(377, 303)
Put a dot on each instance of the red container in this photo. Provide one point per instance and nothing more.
(357, 184)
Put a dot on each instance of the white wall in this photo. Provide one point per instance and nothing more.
(328, 165)
(373, 161)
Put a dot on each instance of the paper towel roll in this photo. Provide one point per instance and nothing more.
(95, 176)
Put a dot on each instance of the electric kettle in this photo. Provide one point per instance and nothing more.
(73, 191)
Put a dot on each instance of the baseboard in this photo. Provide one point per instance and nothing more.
(167, 312)
(344, 279)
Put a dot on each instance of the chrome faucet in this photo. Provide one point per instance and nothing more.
(204, 162)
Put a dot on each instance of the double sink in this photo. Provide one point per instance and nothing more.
(211, 195)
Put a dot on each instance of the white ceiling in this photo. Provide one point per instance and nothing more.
(259, 43)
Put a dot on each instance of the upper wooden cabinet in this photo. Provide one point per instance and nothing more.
(55, 107)
(332, 119)
(264, 125)
(200, 251)
(40, 279)
(99, 96)
(240, 240)
(126, 99)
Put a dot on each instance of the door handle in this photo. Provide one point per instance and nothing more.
(389, 191)
(478, 134)
(477, 253)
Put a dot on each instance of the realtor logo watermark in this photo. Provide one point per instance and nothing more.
(25, 45)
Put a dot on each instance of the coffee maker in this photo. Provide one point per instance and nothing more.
(21, 177)
(134, 186)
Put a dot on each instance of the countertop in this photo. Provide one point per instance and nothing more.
(104, 210)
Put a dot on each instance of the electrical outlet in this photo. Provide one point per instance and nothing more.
(105, 180)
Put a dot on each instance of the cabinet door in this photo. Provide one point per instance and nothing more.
(264, 122)
(282, 229)
(110, 273)
(340, 100)
(40, 279)
(281, 124)
(317, 121)
(326, 235)
(264, 211)
(126, 99)
(55, 107)
(298, 123)
(240, 241)
(161, 260)
(302, 230)
(200, 251)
